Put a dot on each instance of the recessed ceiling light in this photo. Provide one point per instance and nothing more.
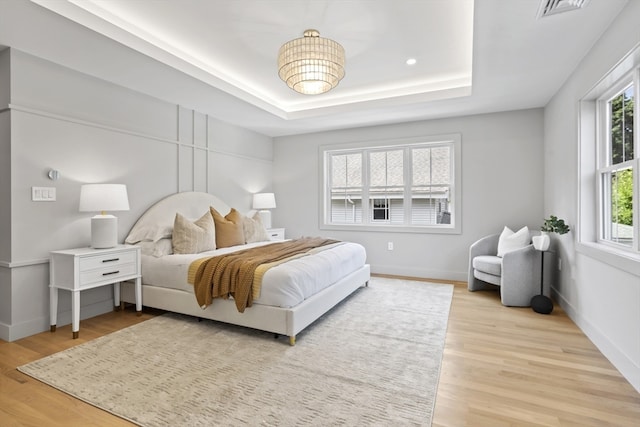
(412, 61)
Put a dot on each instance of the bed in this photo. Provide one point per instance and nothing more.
(320, 280)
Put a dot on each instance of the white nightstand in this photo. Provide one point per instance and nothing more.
(276, 233)
(85, 268)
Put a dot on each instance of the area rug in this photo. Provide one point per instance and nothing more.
(372, 360)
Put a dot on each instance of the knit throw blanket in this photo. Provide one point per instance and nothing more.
(239, 274)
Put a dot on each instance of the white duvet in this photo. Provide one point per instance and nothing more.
(285, 285)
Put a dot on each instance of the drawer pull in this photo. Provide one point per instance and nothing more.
(111, 260)
(109, 274)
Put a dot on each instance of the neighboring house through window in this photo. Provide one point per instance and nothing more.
(408, 185)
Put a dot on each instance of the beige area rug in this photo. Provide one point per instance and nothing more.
(372, 360)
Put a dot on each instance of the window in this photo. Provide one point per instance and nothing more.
(381, 209)
(617, 165)
(403, 186)
(609, 164)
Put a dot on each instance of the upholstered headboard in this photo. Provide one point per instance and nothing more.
(157, 222)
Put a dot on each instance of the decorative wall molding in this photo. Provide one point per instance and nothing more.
(70, 119)
(25, 263)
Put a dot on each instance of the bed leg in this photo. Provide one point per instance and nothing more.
(366, 284)
(292, 340)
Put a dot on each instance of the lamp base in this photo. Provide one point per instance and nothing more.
(104, 231)
(265, 217)
(542, 304)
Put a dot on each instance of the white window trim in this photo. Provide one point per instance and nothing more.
(603, 154)
(589, 221)
(456, 188)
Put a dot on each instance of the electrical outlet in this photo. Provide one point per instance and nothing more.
(390, 246)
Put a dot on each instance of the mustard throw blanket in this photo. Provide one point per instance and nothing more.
(239, 274)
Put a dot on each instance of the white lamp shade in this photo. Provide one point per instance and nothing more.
(103, 197)
(264, 201)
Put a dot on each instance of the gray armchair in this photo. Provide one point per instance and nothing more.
(517, 273)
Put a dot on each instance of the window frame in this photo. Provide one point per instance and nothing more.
(591, 134)
(606, 168)
(455, 195)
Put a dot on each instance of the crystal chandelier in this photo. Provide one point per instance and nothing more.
(311, 64)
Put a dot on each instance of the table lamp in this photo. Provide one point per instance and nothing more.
(102, 198)
(263, 202)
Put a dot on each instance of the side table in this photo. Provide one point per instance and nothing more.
(79, 269)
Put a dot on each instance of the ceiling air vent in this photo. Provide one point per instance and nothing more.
(551, 7)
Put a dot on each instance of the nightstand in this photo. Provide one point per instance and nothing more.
(79, 269)
(276, 233)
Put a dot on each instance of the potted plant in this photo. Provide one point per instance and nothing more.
(553, 224)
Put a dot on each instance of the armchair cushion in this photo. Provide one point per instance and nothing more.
(511, 241)
(488, 264)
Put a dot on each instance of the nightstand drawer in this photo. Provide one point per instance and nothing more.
(109, 261)
(111, 273)
(276, 233)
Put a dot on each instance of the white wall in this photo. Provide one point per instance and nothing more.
(30, 28)
(502, 176)
(92, 130)
(602, 299)
(5, 186)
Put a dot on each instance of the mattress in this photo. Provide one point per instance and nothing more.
(285, 285)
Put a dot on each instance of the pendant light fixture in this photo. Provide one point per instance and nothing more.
(311, 64)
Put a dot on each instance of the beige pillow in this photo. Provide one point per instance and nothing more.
(193, 237)
(229, 230)
(254, 230)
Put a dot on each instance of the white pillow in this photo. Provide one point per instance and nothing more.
(510, 241)
(157, 249)
(151, 233)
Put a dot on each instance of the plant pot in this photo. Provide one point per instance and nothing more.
(541, 242)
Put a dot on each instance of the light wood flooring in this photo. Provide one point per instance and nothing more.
(501, 367)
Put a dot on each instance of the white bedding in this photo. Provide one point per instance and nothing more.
(285, 285)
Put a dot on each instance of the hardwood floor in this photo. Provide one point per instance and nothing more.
(507, 366)
(27, 402)
(501, 367)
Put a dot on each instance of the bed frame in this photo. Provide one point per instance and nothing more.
(278, 320)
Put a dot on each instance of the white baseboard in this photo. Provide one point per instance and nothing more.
(620, 361)
(24, 329)
(419, 272)
(5, 331)
(41, 324)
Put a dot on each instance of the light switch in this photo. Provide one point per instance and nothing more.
(43, 194)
